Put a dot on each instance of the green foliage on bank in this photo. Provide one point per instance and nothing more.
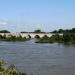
(10, 70)
(13, 38)
(4, 31)
(67, 38)
(64, 31)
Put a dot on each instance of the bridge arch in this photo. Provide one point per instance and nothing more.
(29, 35)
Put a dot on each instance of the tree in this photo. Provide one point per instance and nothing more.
(60, 31)
(73, 30)
(4, 31)
(37, 31)
(55, 31)
(66, 37)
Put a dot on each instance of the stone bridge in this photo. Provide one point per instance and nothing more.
(27, 34)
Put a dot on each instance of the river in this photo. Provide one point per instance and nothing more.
(42, 59)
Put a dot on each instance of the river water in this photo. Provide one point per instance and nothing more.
(42, 59)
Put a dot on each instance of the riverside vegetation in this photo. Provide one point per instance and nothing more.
(10, 70)
(68, 37)
(13, 38)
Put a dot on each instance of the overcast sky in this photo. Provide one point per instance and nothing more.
(29, 15)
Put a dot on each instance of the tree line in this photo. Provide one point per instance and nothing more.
(64, 31)
(68, 37)
(40, 31)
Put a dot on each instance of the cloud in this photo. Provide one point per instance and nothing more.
(3, 23)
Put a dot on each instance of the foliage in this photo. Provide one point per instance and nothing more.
(37, 31)
(4, 31)
(64, 31)
(68, 38)
(13, 38)
(44, 39)
(11, 70)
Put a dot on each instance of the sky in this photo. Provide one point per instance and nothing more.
(29, 15)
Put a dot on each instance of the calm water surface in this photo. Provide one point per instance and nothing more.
(43, 59)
